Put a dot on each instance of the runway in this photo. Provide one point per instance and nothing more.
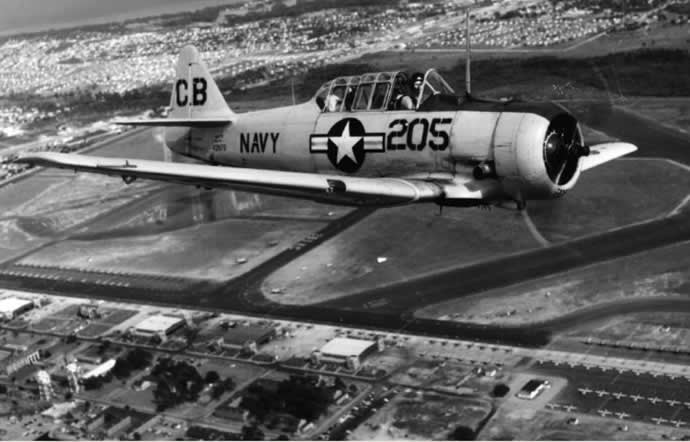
(392, 308)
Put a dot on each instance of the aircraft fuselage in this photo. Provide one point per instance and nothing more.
(301, 138)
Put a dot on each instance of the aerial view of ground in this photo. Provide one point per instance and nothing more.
(416, 240)
(554, 425)
(397, 244)
(672, 112)
(49, 202)
(205, 234)
(219, 250)
(657, 273)
(624, 192)
(417, 414)
(671, 330)
(213, 310)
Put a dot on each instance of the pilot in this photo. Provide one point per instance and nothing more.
(416, 85)
(402, 100)
(401, 95)
(334, 99)
(332, 103)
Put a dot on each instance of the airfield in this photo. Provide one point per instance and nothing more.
(589, 291)
(389, 268)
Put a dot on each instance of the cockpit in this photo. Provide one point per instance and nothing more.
(381, 91)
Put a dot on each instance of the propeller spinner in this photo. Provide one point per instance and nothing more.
(562, 151)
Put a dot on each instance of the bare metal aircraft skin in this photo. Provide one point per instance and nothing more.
(352, 145)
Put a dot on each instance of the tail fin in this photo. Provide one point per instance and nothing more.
(196, 100)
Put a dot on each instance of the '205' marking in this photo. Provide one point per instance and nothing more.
(402, 135)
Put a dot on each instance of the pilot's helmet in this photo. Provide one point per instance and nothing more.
(417, 79)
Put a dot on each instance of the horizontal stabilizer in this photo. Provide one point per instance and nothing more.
(601, 153)
(181, 122)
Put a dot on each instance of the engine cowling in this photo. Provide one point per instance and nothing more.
(537, 158)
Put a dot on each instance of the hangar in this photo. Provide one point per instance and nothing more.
(158, 325)
(345, 351)
(247, 338)
(10, 308)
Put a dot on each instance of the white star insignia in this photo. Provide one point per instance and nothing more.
(345, 143)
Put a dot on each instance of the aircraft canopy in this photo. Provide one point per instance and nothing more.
(378, 91)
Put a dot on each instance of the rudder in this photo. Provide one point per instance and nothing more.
(195, 94)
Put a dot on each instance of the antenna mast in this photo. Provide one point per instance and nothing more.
(468, 81)
(189, 96)
(292, 87)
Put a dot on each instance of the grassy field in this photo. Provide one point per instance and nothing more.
(672, 112)
(667, 329)
(658, 272)
(552, 425)
(164, 232)
(422, 415)
(203, 251)
(624, 192)
(415, 241)
(349, 262)
(50, 201)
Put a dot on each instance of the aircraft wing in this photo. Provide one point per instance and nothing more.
(601, 153)
(324, 188)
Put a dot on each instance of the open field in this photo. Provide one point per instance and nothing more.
(46, 205)
(553, 425)
(658, 36)
(181, 252)
(672, 112)
(178, 207)
(415, 240)
(655, 329)
(624, 192)
(659, 272)
(349, 262)
(416, 414)
(50, 201)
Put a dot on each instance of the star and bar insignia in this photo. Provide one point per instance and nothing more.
(346, 144)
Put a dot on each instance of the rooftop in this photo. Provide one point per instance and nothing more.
(345, 347)
(10, 305)
(100, 370)
(243, 334)
(158, 323)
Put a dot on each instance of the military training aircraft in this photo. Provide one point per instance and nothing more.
(373, 139)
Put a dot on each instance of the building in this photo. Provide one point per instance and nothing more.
(158, 325)
(89, 311)
(11, 308)
(45, 385)
(16, 363)
(231, 410)
(348, 351)
(100, 370)
(73, 377)
(533, 388)
(248, 338)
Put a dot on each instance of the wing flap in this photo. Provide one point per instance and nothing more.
(325, 188)
(602, 153)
